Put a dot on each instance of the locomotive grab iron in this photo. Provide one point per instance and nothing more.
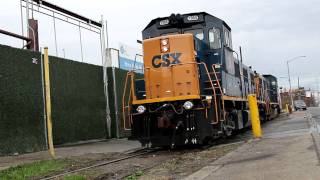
(194, 89)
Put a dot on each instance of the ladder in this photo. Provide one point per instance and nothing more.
(217, 86)
(126, 104)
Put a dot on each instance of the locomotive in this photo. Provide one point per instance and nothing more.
(194, 90)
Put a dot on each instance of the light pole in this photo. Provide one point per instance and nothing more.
(288, 61)
(64, 53)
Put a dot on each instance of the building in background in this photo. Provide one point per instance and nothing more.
(130, 58)
(309, 97)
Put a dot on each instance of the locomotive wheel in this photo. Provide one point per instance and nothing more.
(229, 125)
(228, 132)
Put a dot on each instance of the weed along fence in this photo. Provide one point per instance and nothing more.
(77, 97)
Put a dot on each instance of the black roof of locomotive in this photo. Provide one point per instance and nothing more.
(207, 18)
(269, 76)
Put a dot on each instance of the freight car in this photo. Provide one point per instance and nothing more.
(194, 89)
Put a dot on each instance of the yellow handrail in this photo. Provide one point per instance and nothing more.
(221, 92)
(123, 102)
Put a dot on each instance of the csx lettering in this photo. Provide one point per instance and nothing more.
(165, 60)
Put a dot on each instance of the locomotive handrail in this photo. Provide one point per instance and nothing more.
(123, 102)
(214, 92)
(131, 92)
(215, 75)
(221, 92)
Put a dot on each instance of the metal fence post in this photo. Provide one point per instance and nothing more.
(44, 100)
(116, 108)
(105, 76)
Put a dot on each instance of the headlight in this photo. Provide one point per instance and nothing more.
(141, 109)
(164, 48)
(188, 105)
(164, 42)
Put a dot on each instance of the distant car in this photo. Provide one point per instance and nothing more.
(300, 105)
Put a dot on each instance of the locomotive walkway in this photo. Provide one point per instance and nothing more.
(289, 150)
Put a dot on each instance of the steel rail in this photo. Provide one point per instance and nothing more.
(98, 165)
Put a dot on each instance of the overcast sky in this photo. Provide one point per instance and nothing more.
(269, 31)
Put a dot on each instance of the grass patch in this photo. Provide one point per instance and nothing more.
(135, 175)
(36, 169)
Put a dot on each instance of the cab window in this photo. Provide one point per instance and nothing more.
(198, 33)
(227, 39)
(214, 38)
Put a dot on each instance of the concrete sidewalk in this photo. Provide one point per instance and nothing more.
(287, 151)
(107, 146)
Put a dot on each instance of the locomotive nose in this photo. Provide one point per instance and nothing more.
(170, 67)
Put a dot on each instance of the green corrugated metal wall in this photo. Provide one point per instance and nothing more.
(78, 101)
(21, 106)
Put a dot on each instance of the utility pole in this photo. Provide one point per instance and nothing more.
(299, 89)
(290, 91)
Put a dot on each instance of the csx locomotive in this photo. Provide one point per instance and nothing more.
(194, 90)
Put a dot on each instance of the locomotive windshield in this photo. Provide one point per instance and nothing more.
(214, 38)
(197, 33)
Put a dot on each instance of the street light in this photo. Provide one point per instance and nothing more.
(288, 61)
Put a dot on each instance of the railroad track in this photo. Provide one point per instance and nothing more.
(137, 153)
(144, 151)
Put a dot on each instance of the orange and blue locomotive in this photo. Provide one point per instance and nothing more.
(194, 90)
